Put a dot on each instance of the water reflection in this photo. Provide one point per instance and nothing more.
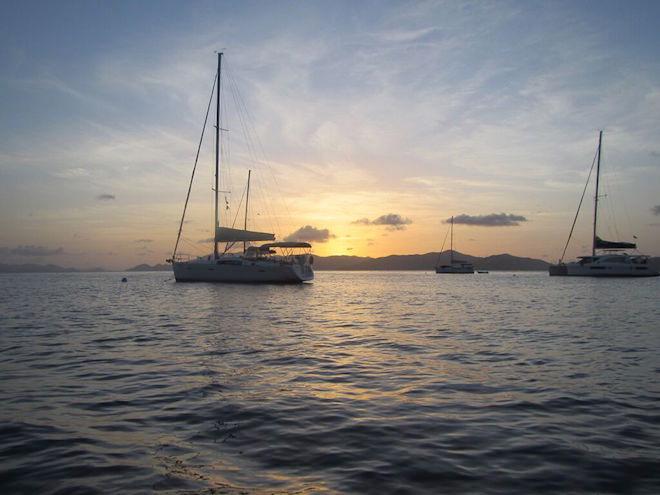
(358, 382)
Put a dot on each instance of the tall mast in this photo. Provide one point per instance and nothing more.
(247, 202)
(600, 142)
(217, 157)
(451, 243)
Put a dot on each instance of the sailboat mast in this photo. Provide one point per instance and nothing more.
(217, 157)
(247, 202)
(451, 243)
(600, 142)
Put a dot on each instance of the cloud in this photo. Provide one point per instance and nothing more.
(72, 173)
(309, 234)
(492, 220)
(656, 209)
(143, 241)
(30, 250)
(393, 221)
(105, 197)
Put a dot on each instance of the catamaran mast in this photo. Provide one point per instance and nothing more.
(247, 202)
(600, 141)
(451, 243)
(217, 156)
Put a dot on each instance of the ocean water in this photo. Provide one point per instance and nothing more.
(366, 382)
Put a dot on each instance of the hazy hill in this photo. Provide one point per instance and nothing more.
(426, 262)
(162, 267)
(402, 262)
(394, 262)
(34, 268)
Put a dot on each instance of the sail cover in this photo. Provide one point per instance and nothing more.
(226, 234)
(289, 244)
(601, 244)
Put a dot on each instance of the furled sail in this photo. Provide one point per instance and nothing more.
(226, 234)
(601, 244)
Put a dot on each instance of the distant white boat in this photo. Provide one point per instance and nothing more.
(608, 258)
(455, 265)
(273, 262)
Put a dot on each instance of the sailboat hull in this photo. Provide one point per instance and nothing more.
(239, 270)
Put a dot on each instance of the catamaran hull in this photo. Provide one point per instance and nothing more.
(453, 270)
(576, 270)
(268, 273)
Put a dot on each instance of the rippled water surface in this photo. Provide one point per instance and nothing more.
(377, 382)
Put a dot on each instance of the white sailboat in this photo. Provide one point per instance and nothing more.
(608, 258)
(273, 262)
(455, 265)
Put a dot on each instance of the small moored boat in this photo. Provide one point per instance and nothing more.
(455, 265)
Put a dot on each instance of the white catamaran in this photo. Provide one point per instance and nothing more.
(608, 258)
(273, 262)
(454, 266)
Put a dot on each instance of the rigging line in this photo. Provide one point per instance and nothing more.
(192, 245)
(251, 137)
(443, 246)
(578, 209)
(269, 207)
(238, 209)
(248, 133)
(261, 200)
(226, 150)
(192, 175)
(233, 89)
(613, 228)
(270, 171)
(616, 190)
(225, 171)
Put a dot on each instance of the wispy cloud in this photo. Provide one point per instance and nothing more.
(31, 251)
(105, 197)
(72, 173)
(492, 220)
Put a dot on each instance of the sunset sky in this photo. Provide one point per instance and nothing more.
(372, 123)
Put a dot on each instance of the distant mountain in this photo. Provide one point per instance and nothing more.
(401, 262)
(162, 267)
(510, 262)
(50, 268)
(34, 268)
(426, 262)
